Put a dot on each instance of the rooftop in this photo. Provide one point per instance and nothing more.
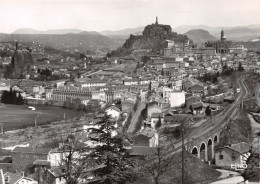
(32, 150)
(12, 178)
(142, 150)
(149, 132)
(241, 147)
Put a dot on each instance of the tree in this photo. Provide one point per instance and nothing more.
(20, 100)
(145, 59)
(157, 163)
(177, 132)
(110, 153)
(136, 104)
(4, 97)
(75, 160)
(240, 67)
(191, 109)
(252, 170)
(10, 97)
(215, 79)
(208, 111)
(159, 122)
(144, 112)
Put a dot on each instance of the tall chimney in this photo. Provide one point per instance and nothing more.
(16, 45)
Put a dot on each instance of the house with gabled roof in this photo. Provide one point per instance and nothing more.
(148, 134)
(24, 157)
(192, 99)
(12, 178)
(171, 119)
(198, 108)
(155, 117)
(145, 142)
(232, 154)
(153, 107)
(198, 90)
(113, 111)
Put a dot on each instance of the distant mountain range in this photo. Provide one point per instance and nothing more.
(124, 32)
(82, 41)
(200, 36)
(238, 33)
(113, 39)
(118, 33)
(185, 28)
(54, 31)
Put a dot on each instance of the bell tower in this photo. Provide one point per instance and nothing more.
(222, 36)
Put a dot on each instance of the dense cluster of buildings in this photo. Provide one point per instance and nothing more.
(172, 77)
(172, 85)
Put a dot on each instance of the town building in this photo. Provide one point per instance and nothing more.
(11, 178)
(24, 157)
(232, 154)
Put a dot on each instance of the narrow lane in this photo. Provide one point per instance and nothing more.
(134, 121)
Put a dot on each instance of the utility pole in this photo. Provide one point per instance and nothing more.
(64, 116)
(35, 120)
(182, 130)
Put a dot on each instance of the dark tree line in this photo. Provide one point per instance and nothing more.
(12, 97)
(227, 71)
(240, 67)
(47, 72)
(210, 77)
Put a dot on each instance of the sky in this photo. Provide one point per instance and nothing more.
(100, 15)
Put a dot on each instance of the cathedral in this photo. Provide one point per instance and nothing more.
(221, 46)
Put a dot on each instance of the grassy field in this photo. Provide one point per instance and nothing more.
(17, 116)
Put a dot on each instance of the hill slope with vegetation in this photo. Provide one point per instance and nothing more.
(200, 36)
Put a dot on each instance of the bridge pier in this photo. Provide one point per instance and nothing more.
(203, 149)
(213, 150)
(210, 149)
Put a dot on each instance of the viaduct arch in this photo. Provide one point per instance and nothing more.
(203, 148)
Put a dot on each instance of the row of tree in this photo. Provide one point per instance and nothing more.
(12, 97)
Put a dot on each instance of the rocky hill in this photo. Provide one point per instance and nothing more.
(153, 37)
(20, 64)
(200, 36)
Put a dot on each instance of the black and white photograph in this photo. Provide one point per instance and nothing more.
(129, 91)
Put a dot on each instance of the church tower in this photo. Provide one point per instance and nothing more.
(156, 22)
(222, 36)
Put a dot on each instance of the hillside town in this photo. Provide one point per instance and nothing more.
(151, 96)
